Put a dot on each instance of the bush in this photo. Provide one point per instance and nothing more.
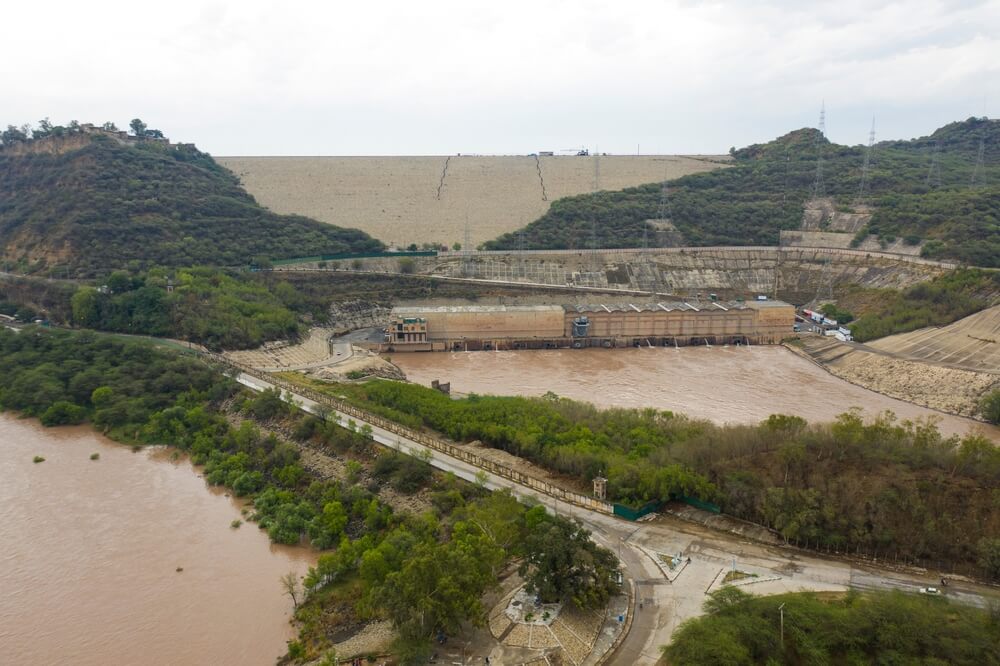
(62, 412)
(989, 406)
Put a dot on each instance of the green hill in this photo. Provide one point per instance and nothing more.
(85, 204)
(920, 189)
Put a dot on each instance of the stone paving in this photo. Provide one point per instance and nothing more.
(568, 637)
(314, 349)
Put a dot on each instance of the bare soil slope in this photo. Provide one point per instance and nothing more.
(972, 343)
(403, 200)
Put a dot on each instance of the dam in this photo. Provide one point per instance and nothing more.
(661, 324)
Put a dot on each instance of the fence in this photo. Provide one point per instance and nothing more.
(430, 442)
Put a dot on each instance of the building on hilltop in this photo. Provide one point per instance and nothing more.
(674, 324)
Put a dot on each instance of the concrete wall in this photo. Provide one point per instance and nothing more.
(450, 324)
(674, 324)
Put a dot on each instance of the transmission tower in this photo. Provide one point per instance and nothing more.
(974, 182)
(819, 187)
(867, 163)
(934, 172)
(664, 212)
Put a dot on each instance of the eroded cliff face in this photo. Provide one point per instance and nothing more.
(52, 145)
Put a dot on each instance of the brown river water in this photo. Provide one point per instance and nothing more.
(721, 384)
(89, 552)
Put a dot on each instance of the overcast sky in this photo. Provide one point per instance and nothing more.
(442, 77)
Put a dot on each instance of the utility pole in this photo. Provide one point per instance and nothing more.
(781, 611)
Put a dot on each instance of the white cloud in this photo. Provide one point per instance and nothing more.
(256, 77)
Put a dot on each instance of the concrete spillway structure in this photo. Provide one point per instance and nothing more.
(479, 327)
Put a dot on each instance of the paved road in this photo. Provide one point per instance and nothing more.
(665, 603)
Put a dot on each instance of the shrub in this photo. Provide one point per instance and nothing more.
(989, 406)
(62, 412)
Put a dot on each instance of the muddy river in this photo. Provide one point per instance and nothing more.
(90, 551)
(722, 384)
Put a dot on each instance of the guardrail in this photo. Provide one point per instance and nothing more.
(429, 441)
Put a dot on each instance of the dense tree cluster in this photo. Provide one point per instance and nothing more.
(763, 192)
(881, 488)
(871, 628)
(107, 204)
(204, 305)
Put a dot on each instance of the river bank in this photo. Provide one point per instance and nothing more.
(949, 390)
(93, 550)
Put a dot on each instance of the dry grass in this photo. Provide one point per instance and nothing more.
(396, 199)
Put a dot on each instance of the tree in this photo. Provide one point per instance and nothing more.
(989, 406)
(138, 127)
(44, 129)
(326, 528)
(290, 584)
(109, 126)
(13, 135)
(561, 563)
(85, 307)
(989, 556)
(119, 282)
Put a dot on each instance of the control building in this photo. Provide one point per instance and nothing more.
(477, 327)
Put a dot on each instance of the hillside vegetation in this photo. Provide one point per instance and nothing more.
(109, 204)
(765, 189)
(937, 302)
(882, 488)
(873, 628)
